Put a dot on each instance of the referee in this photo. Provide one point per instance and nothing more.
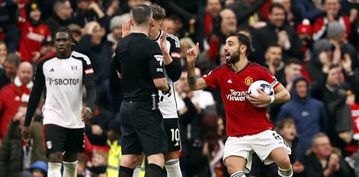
(138, 61)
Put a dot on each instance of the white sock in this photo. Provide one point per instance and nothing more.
(136, 172)
(70, 169)
(238, 174)
(285, 172)
(173, 168)
(54, 169)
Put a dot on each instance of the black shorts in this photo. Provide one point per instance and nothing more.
(141, 129)
(173, 134)
(60, 139)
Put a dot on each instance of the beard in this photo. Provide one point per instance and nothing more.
(233, 58)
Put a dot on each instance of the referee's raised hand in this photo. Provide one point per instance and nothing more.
(86, 114)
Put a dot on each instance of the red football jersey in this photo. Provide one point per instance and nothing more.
(31, 39)
(242, 118)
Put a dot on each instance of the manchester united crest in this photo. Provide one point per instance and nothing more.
(248, 81)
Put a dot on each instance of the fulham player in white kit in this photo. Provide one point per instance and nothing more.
(64, 74)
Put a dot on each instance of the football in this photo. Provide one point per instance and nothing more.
(262, 85)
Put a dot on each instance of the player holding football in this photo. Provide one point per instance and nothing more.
(248, 128)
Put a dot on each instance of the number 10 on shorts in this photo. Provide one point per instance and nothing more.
(175, 135)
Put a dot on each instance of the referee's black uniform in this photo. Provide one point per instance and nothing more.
(138, 60)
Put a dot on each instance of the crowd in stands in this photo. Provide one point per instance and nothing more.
(311, 46)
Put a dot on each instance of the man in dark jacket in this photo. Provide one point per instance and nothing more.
(61, 16)
(277, 32)
(308, 113)
(324, 160)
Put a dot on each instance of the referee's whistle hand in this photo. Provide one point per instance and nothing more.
(86, 114)
(25, 132)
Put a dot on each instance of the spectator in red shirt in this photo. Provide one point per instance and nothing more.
(33, 33)
(14, 95)
(332, 13)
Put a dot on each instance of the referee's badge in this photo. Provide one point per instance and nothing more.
(49, 144)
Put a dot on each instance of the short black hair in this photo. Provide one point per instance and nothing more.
(141, 14)
(276, 45)
(295, 61)
(158, 12)
(243, 39)
(276, 5)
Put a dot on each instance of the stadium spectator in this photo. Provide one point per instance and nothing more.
(308, 113)
(62, 13)
(193, 161)
(211, 16)
(33, 32)
(331, 9)
(305, 9)
(273, 57)
(8, 30)
(333, 94)
(116, 23)
(338, 36)
(88, 11)
(10, 66)
(16, 155)
(277, 31)
(247, 13)
(76, 32)
(14, 95)
(322, 57)
(325, 160)
(305, 32)
(217, 38)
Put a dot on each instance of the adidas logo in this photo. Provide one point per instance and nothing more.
(52, 70)
(229, 81)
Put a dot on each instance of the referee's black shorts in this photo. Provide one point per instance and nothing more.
(141, 129)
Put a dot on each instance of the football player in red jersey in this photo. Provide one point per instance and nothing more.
(248, 128)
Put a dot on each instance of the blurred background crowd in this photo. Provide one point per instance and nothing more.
(311, 46)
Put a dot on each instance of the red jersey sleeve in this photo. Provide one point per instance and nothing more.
(269, 77)
(212, 78)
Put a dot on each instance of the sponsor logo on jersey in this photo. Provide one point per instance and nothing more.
(52, 70)
(36, 37)
(248, 81)
(236, 95)
(229, 81)
(63, 81)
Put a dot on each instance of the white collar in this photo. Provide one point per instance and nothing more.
(18, 83)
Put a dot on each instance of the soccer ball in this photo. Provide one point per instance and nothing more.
(262, 85)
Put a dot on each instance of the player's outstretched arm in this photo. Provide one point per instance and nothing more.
(35, 96)
(193, 82)
(281, 94)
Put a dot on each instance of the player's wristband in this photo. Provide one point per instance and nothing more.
(272, 99)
